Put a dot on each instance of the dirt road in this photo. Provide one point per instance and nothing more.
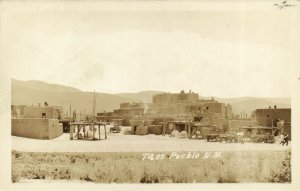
(134, 143)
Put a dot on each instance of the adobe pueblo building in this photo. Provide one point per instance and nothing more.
(36, 122)
(186, 106)
(189, 103)
(124, 114)
(180, 109)
(274, 117)
(187, 112)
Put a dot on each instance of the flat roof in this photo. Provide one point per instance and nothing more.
(89, 123)
(257, 127)
(274, 109)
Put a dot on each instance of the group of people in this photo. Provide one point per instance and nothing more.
(284, 139)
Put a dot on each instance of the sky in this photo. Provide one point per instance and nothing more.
(223, 53)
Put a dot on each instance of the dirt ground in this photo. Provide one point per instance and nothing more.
(120, 142)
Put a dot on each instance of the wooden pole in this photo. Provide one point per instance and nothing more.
(189, 130)
(93, 128)
(71, 131)
(94, 110)
(83, 131)
(105, 131)
(99, 131)
(70, 113)
(71, 135)
(78, 129)
(210, 117)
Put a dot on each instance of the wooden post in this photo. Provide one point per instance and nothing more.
(78, 129)
(105, 130)
(94, 114)
(99, 131)
(71, 131)
(93, 131)
(83, 131)
(189, 130)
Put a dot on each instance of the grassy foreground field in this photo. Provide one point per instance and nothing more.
(230, 167)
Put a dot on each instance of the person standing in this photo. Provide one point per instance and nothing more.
(286, 139)
(281, 139)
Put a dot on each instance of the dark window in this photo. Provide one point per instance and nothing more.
(43, 115)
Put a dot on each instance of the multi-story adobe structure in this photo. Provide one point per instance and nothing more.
(189, 103)
(37, 122)
(271, 116)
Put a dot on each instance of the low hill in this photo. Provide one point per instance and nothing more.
(26, 93)
(249, 104)
(144, 96)
(34, 92)
(41, 86)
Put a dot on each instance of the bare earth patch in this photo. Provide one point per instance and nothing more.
(135, 143)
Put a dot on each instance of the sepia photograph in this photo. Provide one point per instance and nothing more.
(131, 94)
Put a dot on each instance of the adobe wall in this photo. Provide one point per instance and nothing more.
(17, 110)
(265, 116)
(36, 128)
(174, 97)
(134, 124)
(236, 124)
(142, 130)
(216, 107)
(229, 111)
(124, 105)
(55, 129)
(36, 112)
(51, 112)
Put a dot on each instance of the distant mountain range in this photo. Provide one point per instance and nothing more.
(34, 92)
(144, 96)
(249, 104)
